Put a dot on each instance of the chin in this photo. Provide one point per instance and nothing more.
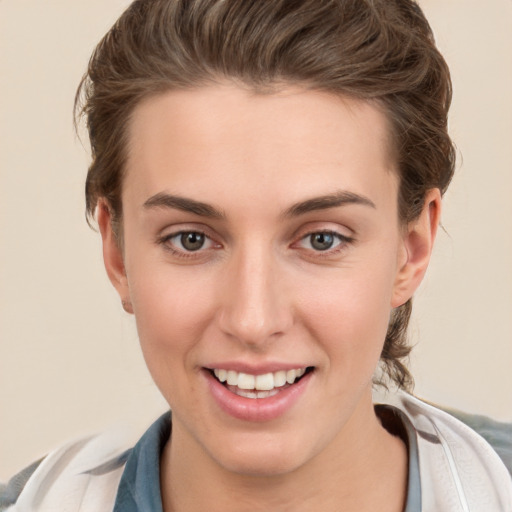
(263, 457)
(262, 467)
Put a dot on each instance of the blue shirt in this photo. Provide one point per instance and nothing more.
(139, 489)
(449, 455)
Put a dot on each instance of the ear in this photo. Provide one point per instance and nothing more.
(113, 255)
(418, 242)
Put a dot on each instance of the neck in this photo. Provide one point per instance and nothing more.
(363, 469)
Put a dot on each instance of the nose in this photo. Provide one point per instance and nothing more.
(255, 305)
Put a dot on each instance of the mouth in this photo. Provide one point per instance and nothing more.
(259, 386)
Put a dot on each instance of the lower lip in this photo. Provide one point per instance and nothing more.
(256, 409)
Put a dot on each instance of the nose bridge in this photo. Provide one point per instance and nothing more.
(254, 307)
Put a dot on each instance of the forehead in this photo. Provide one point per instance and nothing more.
(283, 143)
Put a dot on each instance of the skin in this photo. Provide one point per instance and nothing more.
(258, 291)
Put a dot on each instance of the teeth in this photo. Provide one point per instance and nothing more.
(222, 375)
(246, 381)
(232, 378)
(291, 375)
(256, 394)
(263, 383)
(279, 379)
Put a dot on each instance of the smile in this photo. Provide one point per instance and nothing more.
(255, 396)
(258, 386)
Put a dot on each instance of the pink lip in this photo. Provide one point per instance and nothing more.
(256, 409)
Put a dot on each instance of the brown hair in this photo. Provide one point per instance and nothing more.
(377, 50)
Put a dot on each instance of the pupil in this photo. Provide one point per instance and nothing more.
(192, 241)
(322, 241)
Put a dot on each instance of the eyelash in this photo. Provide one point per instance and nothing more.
(343, 242)
(183, 253)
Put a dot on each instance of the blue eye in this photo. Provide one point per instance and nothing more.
(322, 241)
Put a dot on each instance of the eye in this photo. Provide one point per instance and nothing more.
(187, 241)
(191, 241)
(322, 241)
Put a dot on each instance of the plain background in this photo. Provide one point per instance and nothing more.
(69, 358)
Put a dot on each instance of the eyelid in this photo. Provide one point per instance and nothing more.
(165, 237)
(185, 227)
(179, 234)
(345, 240)
(342, 238)
(335, 228)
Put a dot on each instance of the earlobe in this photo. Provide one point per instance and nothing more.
(418, 244)
(112, 255)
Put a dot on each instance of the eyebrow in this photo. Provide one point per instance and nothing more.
(340, 198)
(164, 200)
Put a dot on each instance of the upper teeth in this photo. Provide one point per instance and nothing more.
(264, 382)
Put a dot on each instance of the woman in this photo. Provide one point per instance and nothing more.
(267, 179)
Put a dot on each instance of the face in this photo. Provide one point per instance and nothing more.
(262, 257)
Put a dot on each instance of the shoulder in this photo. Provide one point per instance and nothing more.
(83, 472)
(498, 434)
(460, 457)
(10, 492)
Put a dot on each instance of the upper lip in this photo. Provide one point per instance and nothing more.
(255, 369)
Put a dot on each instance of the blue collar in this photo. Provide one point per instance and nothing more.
(139, 488)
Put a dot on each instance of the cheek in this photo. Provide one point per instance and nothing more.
(350, 314)
(171, 310)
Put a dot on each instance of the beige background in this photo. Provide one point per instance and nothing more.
(69, 358)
